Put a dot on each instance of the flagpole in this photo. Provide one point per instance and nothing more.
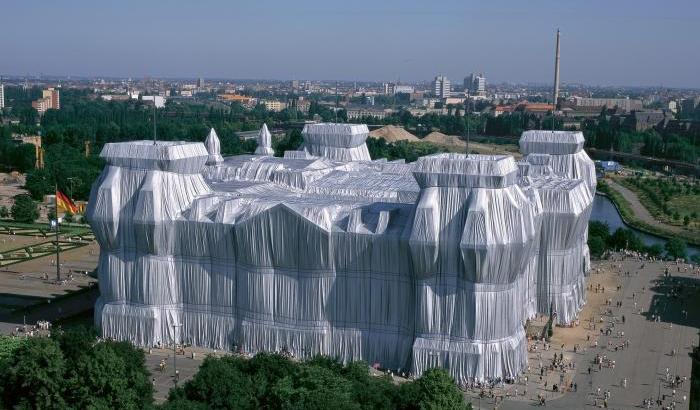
(58, 246)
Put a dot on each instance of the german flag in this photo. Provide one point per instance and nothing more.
(64, 204)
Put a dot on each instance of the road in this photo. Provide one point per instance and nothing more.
(640, 212)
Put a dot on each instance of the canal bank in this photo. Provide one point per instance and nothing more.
(605, 210)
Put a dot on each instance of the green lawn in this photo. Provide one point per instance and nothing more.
(685, 204)
(668, 202)
(72, 229)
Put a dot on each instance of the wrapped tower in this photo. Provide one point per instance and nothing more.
(472, 239)
(564, 176)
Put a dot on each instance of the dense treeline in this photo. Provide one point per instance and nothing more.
(271, 381)
(83, 119)
(20, 157)
(603, 134)
(410, 151)
(72, 370)
(600, 241)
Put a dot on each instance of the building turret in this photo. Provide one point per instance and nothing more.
(264, 142)
(213, 148)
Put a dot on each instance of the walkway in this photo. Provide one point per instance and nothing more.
(643, 364)
(640, 212)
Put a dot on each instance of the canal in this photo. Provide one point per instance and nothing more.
(605, 211)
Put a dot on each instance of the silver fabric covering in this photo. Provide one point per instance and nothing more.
(264, 142)
(435, 263)
(213, 146)
(556, 162)
(342, 142)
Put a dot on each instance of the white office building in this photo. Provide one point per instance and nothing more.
(475, 84)
(441, 86)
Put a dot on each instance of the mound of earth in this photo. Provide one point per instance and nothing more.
(454, 143)
(441, 139)
(392, 133)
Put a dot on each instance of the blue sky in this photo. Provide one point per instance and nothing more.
(614, 42)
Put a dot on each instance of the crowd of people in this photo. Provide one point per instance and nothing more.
(551, 372)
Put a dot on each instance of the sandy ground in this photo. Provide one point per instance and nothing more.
(10, 185)
(392, 133)
(455, 144)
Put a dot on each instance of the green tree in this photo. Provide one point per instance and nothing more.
(434, 390)
(655, 250)
(676, 248)
(39, 183)
(222, 384)
(24, 209)
(596, 245)
(315, 387)
(33, 376)
(601, 229)
(68, 217)
(108, 376)
(8, 347)
(626, 239)
(24, 157)
(4, 213)
(290, 142)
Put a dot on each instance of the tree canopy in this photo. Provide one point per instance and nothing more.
(272, 381)
(72, 370)
(24, 209)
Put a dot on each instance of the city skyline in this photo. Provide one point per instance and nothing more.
(602, 44)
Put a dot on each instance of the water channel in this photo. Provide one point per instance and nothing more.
(604, 211)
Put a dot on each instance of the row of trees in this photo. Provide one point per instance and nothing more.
(72, 369)
(604, 134)
(271, 381)
(600, 240)
(661, 191)
(15, 156)
(410, 151)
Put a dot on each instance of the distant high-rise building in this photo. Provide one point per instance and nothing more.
(393, 88)
(200, 82)
(475, 84)
(441, 86)
(2, 95)
(53, 95)
(295, 84)
(50, 99)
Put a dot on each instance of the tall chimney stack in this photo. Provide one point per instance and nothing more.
(556, 74)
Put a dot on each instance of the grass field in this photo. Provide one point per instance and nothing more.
(671, 201)
(685, 204)
(628, 216)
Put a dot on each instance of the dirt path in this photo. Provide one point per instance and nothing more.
(639, 210)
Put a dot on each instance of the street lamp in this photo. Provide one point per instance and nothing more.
(71, 181)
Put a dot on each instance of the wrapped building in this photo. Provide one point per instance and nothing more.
(325, 251)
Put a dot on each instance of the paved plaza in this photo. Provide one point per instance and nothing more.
(635, 355)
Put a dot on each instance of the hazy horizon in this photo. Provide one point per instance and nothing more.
(642, 44)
